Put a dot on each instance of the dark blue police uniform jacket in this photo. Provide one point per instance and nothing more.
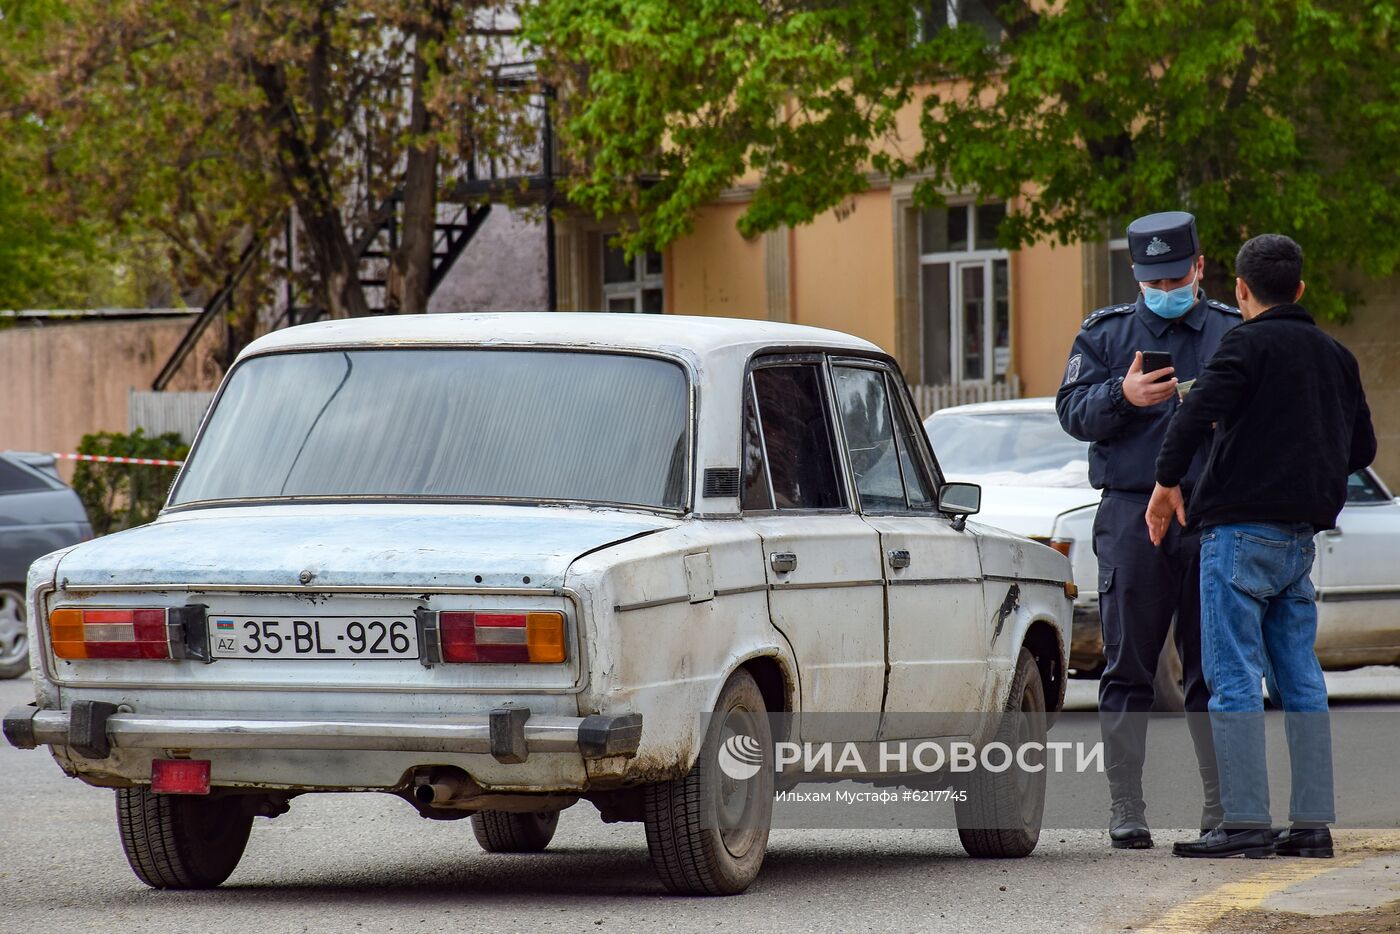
(1125, 439)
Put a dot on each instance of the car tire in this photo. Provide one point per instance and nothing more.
(1000, 815)
(708, 831)
(178, 841)
(509, 832)
(14, 635)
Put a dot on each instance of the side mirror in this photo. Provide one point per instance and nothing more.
(960, 500)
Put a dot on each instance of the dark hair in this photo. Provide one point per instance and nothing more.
(1272, 266)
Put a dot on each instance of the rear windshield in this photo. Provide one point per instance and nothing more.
(446, 423)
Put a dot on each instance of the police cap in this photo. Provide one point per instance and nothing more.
(1163, 246)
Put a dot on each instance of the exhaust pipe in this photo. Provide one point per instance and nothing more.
(444, 787)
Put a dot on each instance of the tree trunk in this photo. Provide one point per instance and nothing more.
(411, 266)
(303, 175)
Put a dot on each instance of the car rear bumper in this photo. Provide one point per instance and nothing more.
(510, 734)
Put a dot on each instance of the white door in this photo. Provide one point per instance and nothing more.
(823, 563)
(981, 331)
(1358, 596)
(935, 640)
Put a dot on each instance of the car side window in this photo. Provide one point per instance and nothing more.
(796, 438)
(15, 479)
(1361, 488)
(863, 400)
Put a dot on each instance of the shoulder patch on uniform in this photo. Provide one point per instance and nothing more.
(1221, 306)
(1076, 363)
(1108, 312)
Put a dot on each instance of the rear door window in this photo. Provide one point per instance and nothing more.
(795, 452)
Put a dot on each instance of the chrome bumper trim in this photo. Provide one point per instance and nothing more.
(590, 737)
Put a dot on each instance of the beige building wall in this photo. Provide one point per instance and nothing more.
(714, 271)
(1047, 307)
(837, 272)
(64, 379)
(842, 272)
(842, 267)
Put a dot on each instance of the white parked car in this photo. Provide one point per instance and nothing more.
(1035, 481)
(497, 564)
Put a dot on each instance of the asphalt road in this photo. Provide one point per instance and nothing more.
(368, 863)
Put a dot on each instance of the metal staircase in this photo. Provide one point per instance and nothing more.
(461, 213)
(451, 234)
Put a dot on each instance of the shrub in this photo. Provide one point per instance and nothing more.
(120, 496)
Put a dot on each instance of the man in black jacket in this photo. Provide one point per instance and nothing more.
(1283, 406)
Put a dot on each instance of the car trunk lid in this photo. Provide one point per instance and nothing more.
(340, 546)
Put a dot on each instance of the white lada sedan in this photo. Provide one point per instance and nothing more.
(497, 564)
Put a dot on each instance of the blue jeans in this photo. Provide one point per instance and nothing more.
(1257, 612)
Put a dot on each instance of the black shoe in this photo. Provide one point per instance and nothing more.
(1127, 827)
(1314, 842)
(1220, 843)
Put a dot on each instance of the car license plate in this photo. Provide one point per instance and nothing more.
(313, 637)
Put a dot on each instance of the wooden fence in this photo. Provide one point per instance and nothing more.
(159, 412)
(930, 399)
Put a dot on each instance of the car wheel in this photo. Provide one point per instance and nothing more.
(508, 832)
(708, 832)
(14, 635)
(181, 842)
(1000, 815)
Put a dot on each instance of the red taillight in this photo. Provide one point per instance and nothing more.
(134, 633)
(180, 776)
(509, 637)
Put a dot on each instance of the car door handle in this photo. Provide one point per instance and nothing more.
(783, 562)
(1333, 533)
(899, 558)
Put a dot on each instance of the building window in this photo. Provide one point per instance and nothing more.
(631, 286)
(965, 295)
(937, 15)
(1122, 286)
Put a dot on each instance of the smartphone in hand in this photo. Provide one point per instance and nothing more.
(1154, 360)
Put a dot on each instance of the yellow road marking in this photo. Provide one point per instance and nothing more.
(1200, 913)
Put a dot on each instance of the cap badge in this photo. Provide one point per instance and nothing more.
(1157, 247)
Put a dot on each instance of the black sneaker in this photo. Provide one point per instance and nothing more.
(1313, 842)
(1221, 843)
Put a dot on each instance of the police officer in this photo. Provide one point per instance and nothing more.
(1108, 400)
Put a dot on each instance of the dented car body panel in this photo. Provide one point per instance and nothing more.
(656, 601)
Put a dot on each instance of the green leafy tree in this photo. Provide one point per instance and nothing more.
(1266, 115)
(51, 256)
(122, 496)
(207, 121)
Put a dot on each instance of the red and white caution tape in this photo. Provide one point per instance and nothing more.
(104, 459)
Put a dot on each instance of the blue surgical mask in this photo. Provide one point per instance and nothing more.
(1170, 305)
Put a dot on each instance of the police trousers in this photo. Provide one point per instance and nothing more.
(1142, 587)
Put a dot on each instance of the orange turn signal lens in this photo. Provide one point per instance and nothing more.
(544, 636)
(1062, 545)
